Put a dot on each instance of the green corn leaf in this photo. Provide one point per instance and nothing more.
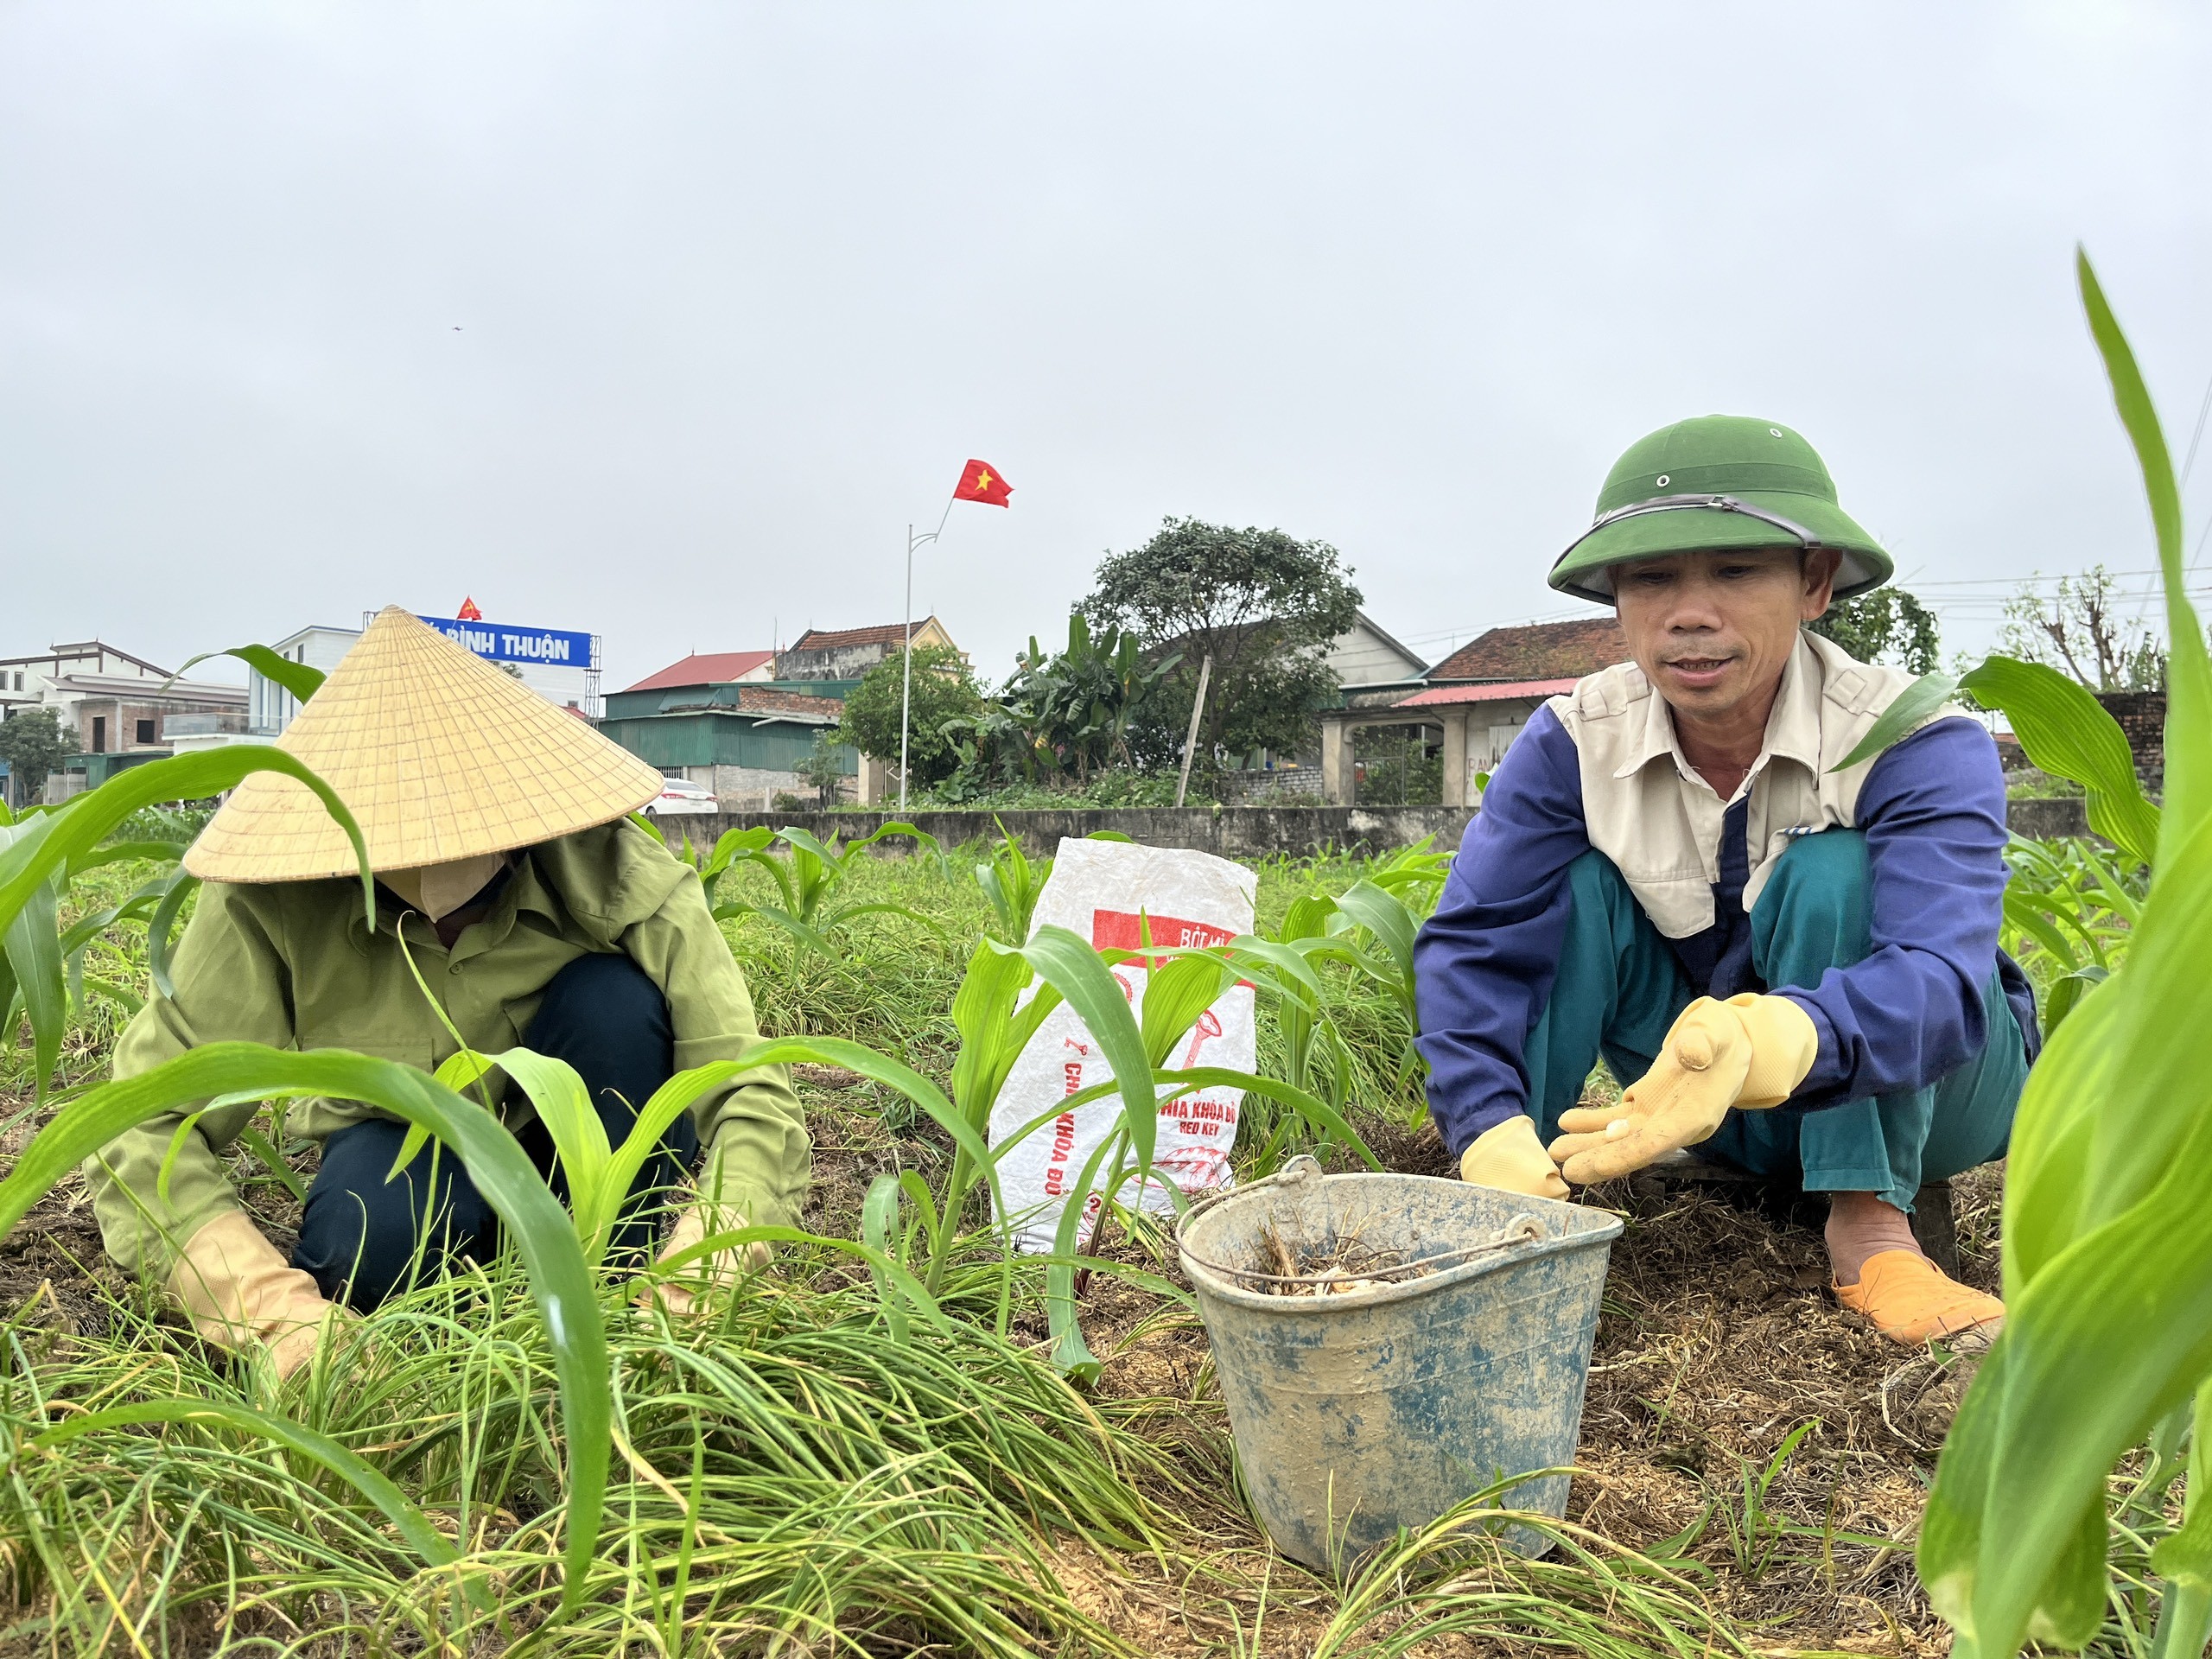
(32, 943)
(2023, 916)
(2108, 1280)
(128, 999)
(2067, 992)
(844, 913)
(2107, 1243)
(1070, 1353)
(1071, 966)
(1178, 991)
(669, 1102)
(1385, 917)
(1914, 707)
(804, 936)
(82, 823)
(123, 852)
(879, 1227)
(409, 1521)
(898, 1278)
(161, 930)
(734, 845)
(994, 1026)
(898, 827)
(2067, 732)
(2189, 671)
(564, 1107)
(1307, 1105)
(265, 1153)
(560, 1281)
(2183, 1559)
(297, 678)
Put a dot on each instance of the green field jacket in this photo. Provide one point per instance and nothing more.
(293, 964)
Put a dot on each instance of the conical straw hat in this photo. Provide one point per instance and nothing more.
(437, 753)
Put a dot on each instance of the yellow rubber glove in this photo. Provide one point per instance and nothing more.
(719, 1271)
(238, 1291)
(1750, 1053)
(1508, 1157)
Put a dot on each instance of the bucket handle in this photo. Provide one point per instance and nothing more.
(1304, 1168)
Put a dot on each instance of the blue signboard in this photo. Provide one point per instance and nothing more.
(503, 642)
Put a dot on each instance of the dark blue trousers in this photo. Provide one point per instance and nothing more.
(364, 1238)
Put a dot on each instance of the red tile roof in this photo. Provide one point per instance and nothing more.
(1537, 650)
(1493, 691)
(707, 668)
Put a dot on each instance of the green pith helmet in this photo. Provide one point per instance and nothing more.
(1718, 481)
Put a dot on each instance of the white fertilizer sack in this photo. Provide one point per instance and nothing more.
(1098, 890)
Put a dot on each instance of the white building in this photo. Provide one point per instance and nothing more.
(1366, 657)
(560, 667)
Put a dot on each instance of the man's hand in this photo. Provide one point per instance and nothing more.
(1508, 1157)
(238, 1291)
(717, 1270)
(1748, 1052)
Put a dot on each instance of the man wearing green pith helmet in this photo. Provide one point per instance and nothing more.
(1794, 962)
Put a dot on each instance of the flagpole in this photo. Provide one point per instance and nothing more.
(906, 670)
(907, 654)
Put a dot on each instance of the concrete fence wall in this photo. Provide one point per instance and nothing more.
(1230, 831)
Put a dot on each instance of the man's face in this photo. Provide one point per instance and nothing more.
(1713, 630)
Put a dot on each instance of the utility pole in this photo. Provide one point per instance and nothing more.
(906, 664)
(1191, 738)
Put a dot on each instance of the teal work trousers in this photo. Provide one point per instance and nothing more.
(1620, 987)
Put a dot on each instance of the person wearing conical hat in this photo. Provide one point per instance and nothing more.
(536, 914)
(1794, 962)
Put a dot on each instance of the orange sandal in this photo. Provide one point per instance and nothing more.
(1911, 1301)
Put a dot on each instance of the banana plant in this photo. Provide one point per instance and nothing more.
(2107, 1237)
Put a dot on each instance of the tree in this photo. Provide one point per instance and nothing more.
(945, 691)
(823, 768)
(1888, 625)
(33, 745)
(1263, 604)
(2077, 630)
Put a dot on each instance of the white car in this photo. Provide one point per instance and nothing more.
(679, 796)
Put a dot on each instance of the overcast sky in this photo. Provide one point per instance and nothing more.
(662, 321)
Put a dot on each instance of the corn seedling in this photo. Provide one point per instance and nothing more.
(807, 878)
(2107, 1241)
(2070, 911)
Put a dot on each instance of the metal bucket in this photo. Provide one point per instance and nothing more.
(1358, 1414)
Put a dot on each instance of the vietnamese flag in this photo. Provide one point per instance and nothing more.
(980, 483)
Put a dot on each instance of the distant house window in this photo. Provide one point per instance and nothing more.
(19, 679)
(100, 734)
(145, 731)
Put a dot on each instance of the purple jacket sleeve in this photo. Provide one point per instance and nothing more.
(1933, 813)
(1484, 965)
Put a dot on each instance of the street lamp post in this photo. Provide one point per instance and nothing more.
(906, 656)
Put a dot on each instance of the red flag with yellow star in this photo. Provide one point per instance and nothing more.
(979, 482)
